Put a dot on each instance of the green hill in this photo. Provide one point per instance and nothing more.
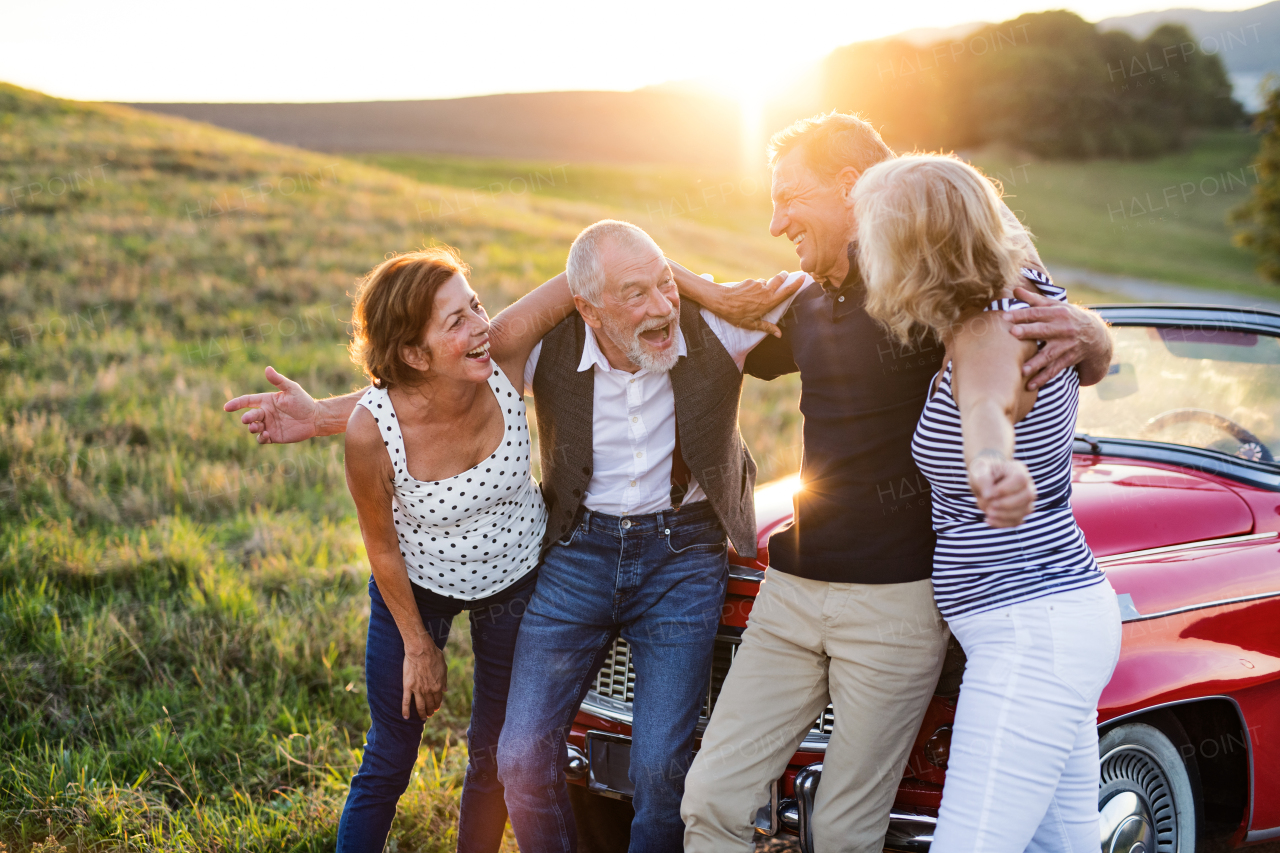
(1046, 82)
(1163, 219)
(181, 611)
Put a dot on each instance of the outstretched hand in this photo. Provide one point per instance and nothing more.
(278, 417)
(746, 303)
(1068, 333)
(1004, 489)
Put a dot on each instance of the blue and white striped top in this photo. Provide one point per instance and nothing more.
(977, 567)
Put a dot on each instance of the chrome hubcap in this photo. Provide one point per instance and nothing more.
(1126, 826)
(1136, 807)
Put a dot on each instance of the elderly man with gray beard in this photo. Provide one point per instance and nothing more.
(644, 474)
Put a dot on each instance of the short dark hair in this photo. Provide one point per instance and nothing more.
(830, 142)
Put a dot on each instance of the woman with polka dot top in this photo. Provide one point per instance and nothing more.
(437, 458)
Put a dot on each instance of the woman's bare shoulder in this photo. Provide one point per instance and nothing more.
(981, 328)
(991, 334)
(363, 434)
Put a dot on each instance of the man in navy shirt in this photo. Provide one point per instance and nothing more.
(846, 614)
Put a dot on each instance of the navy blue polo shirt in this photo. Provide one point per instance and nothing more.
(863, 515)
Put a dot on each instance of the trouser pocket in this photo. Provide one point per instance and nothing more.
(1085, 625)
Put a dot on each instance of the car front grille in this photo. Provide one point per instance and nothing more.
(617, 678)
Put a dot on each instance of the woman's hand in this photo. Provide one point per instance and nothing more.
(1003, 487)
(425, 675)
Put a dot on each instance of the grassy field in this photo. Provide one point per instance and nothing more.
(1163, 219)
(182, 613)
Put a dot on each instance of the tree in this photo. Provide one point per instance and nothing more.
(1048, 83)
(1260, 215)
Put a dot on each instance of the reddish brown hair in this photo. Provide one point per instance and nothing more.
(393, 305)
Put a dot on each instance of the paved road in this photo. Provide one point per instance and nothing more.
(1147, 290)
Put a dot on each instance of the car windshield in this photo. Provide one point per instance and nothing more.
(1207, 388)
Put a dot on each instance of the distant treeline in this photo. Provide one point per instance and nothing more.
(1048, 83)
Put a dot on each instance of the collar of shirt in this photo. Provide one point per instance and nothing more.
(841, 296)
(851, 278)
(593, 356)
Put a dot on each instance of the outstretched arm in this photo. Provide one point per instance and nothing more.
(517, 329)
(291, 414)
(743, 304)
(988, 389)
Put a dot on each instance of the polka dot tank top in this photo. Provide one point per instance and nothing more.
(472, 535)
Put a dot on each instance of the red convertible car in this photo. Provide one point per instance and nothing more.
(1178, 492)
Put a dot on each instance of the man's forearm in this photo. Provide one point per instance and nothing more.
(695, 287)
(1097, 358)
(516, 329)
(336, 411)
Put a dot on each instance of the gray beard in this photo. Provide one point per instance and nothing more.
(629, 343)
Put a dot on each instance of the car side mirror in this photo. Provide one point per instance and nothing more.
(1121, 381)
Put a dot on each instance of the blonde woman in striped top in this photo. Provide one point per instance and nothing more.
(1012, 573)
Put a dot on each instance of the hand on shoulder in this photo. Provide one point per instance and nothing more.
(749, 303)
(1072, 335)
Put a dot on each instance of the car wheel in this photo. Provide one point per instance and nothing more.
(604, 824)
(1148, 799)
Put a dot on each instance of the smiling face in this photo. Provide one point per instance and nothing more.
(455, 341)
(639, 309)
(815, 215)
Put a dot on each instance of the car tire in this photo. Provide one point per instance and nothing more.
(604, 824)
(1148, 795)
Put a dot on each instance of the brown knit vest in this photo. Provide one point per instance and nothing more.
(707, 386)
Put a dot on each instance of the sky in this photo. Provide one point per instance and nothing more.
(267, 51)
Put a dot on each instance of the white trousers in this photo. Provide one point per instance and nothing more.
(1023, 769)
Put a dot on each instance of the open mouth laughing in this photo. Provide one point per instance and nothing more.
(658, 337)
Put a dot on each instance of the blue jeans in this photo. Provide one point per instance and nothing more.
(659, 581)
(391, 746)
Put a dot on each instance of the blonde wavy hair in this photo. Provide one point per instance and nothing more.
(933, 243)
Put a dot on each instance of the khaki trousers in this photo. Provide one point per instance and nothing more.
(875, 652)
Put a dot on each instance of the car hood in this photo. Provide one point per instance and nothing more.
(1127, 506)
(1121, 505)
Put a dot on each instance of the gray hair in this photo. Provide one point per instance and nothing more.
(585, 267)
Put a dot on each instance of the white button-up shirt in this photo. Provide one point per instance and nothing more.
(634, 422)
